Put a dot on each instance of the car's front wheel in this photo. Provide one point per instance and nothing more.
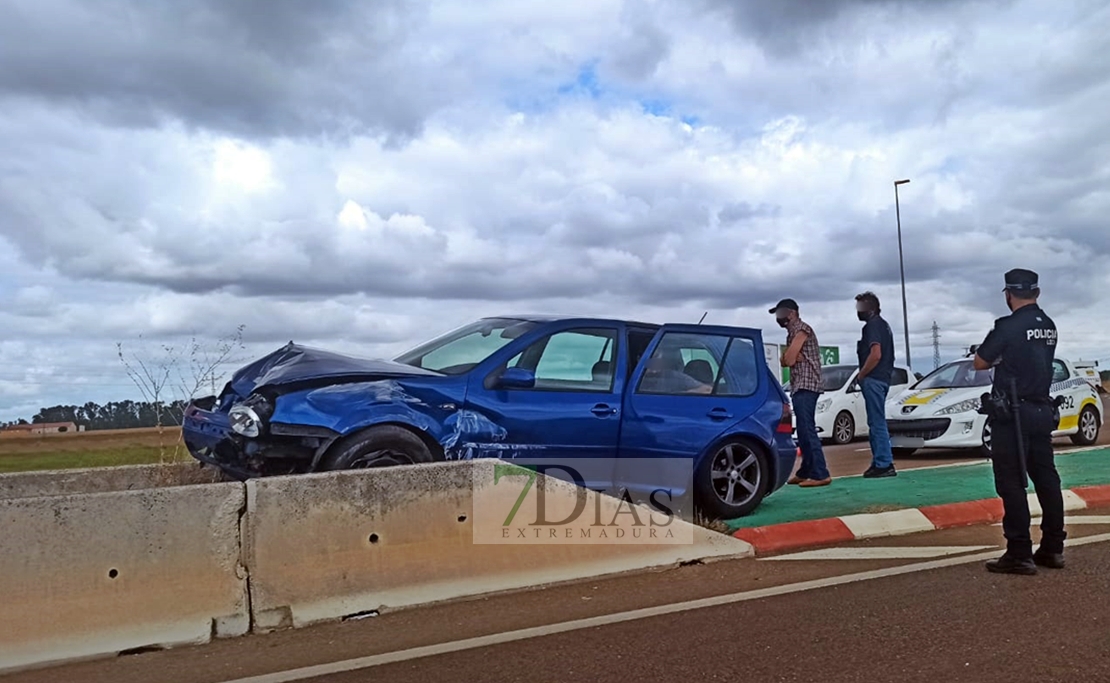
(1088, 428)
(381, 446)
(733, 480)
(844, 428)
(988, 442)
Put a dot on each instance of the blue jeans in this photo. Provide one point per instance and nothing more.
(874, 398)
(813, 455)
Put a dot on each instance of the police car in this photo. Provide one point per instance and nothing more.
(940, 411)
(1088, 370)
(841, 413)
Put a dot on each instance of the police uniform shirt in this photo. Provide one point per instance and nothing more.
(1025, 340)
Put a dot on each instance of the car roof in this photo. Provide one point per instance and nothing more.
(550, 318)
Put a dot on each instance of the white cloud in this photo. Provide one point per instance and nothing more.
(363, 178)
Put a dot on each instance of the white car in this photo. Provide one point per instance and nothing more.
(941, 411)
(1089, 373)
(841, 413)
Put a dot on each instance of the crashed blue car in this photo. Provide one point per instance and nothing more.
(511, 386)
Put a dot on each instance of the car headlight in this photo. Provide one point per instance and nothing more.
(969, 406)
(247, 418)
(824, 404)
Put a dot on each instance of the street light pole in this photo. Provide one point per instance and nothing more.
(902, 268)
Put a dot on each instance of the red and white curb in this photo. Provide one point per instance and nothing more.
(817, 532)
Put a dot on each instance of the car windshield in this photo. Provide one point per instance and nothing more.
(834, 377)
(460, 350)
(957, 375)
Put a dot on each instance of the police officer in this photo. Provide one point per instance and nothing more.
(1023, 416)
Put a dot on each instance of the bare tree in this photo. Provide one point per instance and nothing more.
(151, 374)
(178, 372)
(201, 366)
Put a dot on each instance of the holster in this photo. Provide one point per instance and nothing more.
(996, 408)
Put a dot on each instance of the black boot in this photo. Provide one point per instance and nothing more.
(1047, 559)
(1010, 565)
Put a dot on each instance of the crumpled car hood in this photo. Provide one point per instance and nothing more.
(295, 363)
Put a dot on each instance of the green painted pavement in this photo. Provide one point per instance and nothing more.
(910, 489)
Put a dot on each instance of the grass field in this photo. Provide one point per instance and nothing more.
(25, 452)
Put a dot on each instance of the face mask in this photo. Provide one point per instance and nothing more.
(864, 316)
(783, 322)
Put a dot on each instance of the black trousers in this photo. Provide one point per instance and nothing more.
(1038, 420)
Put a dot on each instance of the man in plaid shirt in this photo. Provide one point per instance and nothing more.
(803, 357)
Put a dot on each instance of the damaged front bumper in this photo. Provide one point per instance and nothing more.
(208, 437)
(214, 434)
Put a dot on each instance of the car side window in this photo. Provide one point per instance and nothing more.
(1059, 371)
(572, 360)
(704, 359)
(740, 375)
(683, 363)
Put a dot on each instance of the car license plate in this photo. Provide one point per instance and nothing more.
(907, 441)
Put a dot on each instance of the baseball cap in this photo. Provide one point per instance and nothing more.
(785, 303)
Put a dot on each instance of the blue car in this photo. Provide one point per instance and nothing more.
(515, 386)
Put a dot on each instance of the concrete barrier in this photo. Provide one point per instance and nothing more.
(93, 563)
(92, 574)
(104, 479)
(322, 547)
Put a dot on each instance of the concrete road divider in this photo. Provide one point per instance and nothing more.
(323, 547)
(92, 574)
(104, 479)
(93, 563)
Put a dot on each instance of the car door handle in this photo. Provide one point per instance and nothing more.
(719, 414)
(602, 410)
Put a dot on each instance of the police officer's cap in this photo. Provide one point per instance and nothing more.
(1021, 280)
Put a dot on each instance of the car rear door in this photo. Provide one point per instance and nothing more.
(693, 385)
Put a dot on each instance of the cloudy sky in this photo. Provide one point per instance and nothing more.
(363, 175)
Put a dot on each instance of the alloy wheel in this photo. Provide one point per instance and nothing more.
(736, 474)
(842, 430)
(379, 459)
(1089, 426)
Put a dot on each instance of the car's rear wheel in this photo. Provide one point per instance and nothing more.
(844, 428)
(733, 480)
(381, 446)
(988, 442)
(1088, 427)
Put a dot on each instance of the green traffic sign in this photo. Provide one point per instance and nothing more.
(830, 355)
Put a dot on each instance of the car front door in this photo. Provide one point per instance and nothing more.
(854, 403)
(694, 385)
(558, 397)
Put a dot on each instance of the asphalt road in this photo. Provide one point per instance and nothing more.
(855, 457)
(790, 618)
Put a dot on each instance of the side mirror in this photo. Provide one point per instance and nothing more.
(853, 388)
(517, 378)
